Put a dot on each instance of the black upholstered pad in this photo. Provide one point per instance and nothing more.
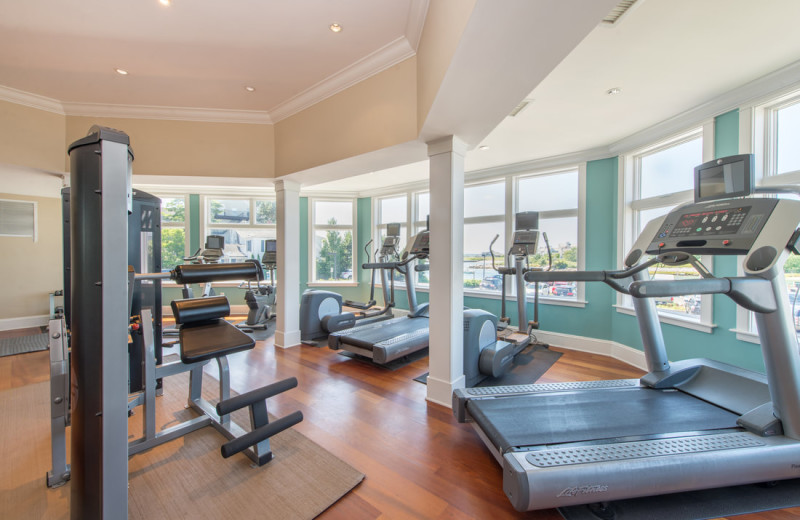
(210, 340)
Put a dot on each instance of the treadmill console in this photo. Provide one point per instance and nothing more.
(421, 244)
(270, 256)
(389, 246)
(525, 242)
(725, 227)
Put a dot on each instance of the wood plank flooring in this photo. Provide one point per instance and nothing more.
(420, 463)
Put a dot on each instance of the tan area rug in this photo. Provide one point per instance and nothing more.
(184, 478)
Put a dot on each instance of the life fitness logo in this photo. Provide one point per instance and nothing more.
(583, 490)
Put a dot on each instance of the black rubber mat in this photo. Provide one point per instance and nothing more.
(694, 505)
(532, 420)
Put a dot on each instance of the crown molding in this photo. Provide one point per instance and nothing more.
(417, 11)
(204, 115)
(27, 99)
(387, 56)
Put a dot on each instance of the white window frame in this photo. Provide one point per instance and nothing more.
(414, 225)
(757, 135)
(313, 228)
(183, 225)
(630, 206)
(579, 213)
(206, 225)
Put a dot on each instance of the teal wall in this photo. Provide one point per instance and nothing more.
(599, 319)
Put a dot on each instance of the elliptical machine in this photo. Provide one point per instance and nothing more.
(261, 300)
(321, 311)
(489, 344)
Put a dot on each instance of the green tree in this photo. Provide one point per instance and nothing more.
(335, 254)
(265, 212)
(173, 241)
(792, 264)
(173, 211)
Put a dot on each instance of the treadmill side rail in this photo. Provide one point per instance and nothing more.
(530, 487)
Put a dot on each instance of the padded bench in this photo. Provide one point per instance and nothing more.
(204, 334)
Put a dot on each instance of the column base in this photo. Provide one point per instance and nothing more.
(287, 339)
(441, 392)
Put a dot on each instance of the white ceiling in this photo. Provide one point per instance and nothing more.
(196, 53)
(667, 56)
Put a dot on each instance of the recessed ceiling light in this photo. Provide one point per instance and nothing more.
(335, 27)
(614, 91)
(121, 72)
(250, 89)
(483, 147)
(165, 2)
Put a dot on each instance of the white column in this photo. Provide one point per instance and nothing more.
(287, 331)
(446, 359)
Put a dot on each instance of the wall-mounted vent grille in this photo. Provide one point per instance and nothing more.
(621, 8)
(18, 218)
(519, 108)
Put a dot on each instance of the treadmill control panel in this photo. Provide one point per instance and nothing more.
(524, 243)
(421, 245)
(726, 227)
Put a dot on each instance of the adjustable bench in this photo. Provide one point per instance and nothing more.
(206, 336)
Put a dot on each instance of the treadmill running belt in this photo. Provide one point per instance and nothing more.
(532, 420)
(368, 336)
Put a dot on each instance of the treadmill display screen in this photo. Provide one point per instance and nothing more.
(714, 222)
(525, 237)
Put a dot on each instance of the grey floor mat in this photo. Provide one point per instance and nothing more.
(23, 344)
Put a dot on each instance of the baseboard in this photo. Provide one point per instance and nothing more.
(603, 347)
(24, 322)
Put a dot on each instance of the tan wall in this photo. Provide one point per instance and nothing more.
(374, 114)
(31, 137)
(444, 25)
(31, 270)
(190, 148)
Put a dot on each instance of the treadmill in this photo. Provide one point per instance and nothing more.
(688, 425)
(387, 340)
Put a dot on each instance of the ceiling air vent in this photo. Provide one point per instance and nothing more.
(519, 108)
(617, 13)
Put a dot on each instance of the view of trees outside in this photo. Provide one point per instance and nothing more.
(173, 239)
(335, 254)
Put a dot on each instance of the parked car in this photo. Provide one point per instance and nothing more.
(492, 283)
(692, 304)
(562, 289)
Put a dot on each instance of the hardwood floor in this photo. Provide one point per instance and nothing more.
(419, 462)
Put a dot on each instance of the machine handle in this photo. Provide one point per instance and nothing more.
(566, 276)
(658, 288)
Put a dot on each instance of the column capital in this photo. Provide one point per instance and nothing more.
(286, 185)
(449, 144)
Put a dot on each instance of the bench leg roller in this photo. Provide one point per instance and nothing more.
(260, 434)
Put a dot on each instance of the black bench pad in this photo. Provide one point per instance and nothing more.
(204, 341)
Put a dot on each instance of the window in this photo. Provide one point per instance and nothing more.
(391, 210)
(657, 179)
(778, 128)
(173, 232)
(555, 196)
(18, 219)
(332, 233)
(422, 210)
(484, 218)
(245, 223)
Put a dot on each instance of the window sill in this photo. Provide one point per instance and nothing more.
(708, 328)
(332, 284)
(746, 335)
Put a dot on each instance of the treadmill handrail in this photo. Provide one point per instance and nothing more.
(751, 293)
